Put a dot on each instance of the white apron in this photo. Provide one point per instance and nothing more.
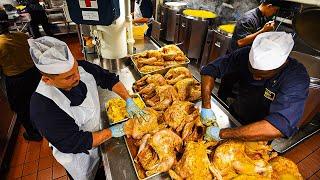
(137, 11)
(80, 166)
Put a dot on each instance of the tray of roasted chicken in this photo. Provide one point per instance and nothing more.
(155, 143)
(159, 91)
(159, 61)
(116, 109)
(169, 139)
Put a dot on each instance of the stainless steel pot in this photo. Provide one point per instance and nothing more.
(169, 18)
(217, 44)
(192, 34)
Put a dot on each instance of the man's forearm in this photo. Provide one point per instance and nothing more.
(207, 84)
(258, 131)
(100, 137)
(248, 39)
(121, 90)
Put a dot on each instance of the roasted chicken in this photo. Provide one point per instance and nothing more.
(194, 164)
(183, 116)
(157, 153)
(154, 53)
(148, 68)
(188, 89)
(147, 84)
(176, 74)
(195, 92)
(136, 128)
(236, 159)
(178, 114)
(167, 94)
(153, 60)
(283, 168)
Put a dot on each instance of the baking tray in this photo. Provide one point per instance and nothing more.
(125, 119)
(161, 71)
(133, 151)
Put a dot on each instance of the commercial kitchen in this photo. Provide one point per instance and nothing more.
(159, 89)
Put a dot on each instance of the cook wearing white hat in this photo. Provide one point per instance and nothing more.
(272, 90)
(65, 107)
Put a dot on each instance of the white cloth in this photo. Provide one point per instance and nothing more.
(137, 11)
(51, 55)
(270, 50)
(81, 166)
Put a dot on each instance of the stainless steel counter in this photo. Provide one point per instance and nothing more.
(115, 156)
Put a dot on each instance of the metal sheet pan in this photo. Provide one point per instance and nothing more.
(133, 151)
(125, 119)
(161, 71)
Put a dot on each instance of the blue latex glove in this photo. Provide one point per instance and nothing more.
(133, 109)
(212, 133)
(208, 117)
(117, 130)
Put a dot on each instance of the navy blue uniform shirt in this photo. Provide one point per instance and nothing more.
(56, 125)
(290, 86)
(146, 8)
(251, 22)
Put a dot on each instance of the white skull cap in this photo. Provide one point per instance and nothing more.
(270, 50)
(51, 55)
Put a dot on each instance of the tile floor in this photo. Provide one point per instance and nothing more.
(34, 161)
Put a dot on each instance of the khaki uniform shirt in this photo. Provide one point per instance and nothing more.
(14, 54)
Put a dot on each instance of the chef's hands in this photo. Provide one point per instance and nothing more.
(269, 26)
(208, 117)
(212, 134)
(117, 130)
(133, 110)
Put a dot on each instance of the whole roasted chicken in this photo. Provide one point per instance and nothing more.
(188, 89)
(136, 128)
(283, 168)
(176, 74)
(235, 159)
(194, 164)
(147, 84)
(157, 153)
(167, 94)
(183, 116)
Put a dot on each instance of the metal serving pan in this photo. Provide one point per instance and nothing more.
(110, 121)
(161, 71)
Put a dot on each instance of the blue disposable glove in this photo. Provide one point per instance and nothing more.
(117, 130)
(208, 117)
(134, 110)
(212, 133)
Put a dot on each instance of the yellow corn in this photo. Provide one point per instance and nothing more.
(229, 28)
(199, 13)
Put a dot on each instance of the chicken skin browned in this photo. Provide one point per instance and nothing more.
(188, 89)
(194, 164)
(176, 74)
(160, 150)
(136, 128)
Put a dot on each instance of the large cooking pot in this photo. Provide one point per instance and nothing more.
(192, 33)
(217, 42)
(169, 18)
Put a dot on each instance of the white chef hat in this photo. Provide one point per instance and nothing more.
(270, 50)
(51, 55)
